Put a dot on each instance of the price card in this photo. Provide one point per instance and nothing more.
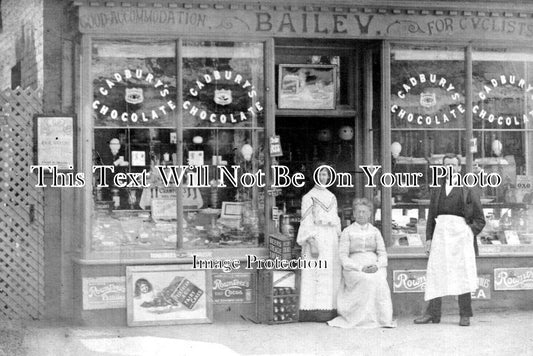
(138, 158)
(473, 145)
(524, 182)
(196, 158)
(414, 240)
(275, 147)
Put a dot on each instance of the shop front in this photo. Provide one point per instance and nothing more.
(184, 108)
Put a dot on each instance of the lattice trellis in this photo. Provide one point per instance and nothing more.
(22, 209)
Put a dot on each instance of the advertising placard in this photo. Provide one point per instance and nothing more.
(483, 290)
(104, 293)
(513, 278)
(233, 288)
(55, 141)
(409, 281)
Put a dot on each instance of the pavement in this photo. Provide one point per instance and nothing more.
(505, 333)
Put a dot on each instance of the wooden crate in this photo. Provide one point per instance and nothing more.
(278, 296)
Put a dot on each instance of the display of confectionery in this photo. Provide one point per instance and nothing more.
(202, 228)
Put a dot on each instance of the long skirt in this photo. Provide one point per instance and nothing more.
(364, 299)
(318, 288)
(452, 262)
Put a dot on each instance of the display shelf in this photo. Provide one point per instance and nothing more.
(486, 205)
(321, 113)
(505, 205)
(409, 205)
(129, 256)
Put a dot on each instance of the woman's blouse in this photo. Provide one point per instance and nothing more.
(361, 238)
(319, 208)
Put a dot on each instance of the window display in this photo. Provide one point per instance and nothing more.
(229, 215)
(223, 128)
(134, 216)
(503, 135)
(138, 132)
(429, 120)
(216, 121)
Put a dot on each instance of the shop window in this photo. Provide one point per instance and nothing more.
(503, 135)
(134, 120)
(427, 88)
(233, 214)
(223, 84)
(223, 119)
(427, 121)
(134, 84)
(138, 130)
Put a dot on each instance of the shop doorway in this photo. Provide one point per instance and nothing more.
(328, 111)
(21, 209)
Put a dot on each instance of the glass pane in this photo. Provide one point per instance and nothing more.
(427, 88)
(415, 151)
(217, 216)
(508, 206)
(503, 113)
(427, 105)
(223, 84)
(134, 84)
(408, 226)
(501, 90)
(135, 217)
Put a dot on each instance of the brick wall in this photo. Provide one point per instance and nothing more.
(21, 39)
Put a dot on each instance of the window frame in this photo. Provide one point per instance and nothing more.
(387, 129)
(86, 133)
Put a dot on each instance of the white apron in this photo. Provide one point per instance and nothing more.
(452, 262)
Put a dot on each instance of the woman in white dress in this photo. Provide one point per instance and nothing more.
(364, 298)
(318, 235)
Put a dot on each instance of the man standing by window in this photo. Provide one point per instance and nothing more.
(455, 218)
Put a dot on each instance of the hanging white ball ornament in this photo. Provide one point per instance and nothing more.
(247, 151)
(395, 149)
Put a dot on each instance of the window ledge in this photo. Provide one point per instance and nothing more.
(170, 256)
(484, 252)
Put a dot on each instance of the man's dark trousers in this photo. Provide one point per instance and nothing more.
(465, 306)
